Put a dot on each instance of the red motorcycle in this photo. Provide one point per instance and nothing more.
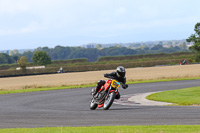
(184, 62)
(106, 95)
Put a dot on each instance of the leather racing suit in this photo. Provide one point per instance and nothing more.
(112, 75)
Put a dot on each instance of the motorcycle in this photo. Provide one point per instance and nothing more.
(106, 95)
(184, 62)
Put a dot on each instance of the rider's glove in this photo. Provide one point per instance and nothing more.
(106, 75)
(125, 86)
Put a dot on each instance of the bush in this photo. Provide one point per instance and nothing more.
(41, 58)
(156, 56)
(73, 61)
(23, 62)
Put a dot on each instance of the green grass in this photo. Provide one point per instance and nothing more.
(162, 80)
(27, 89)
(109, 129)
(34, 89)
(187, 96)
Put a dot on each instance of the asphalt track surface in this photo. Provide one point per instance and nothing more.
(71, 108)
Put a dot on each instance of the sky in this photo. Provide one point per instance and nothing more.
(29, 24)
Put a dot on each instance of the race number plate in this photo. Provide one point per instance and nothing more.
(115, 84)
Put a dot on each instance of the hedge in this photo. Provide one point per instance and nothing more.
(83, 68)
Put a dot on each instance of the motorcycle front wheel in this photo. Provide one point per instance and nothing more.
(109, 100)
(93, 105)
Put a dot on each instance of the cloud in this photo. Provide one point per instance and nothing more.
(31, 27)
(93, 17)
(12, 7)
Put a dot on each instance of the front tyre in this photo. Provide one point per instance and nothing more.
(109, 100)
(93, 105)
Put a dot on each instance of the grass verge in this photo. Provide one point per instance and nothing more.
(34, 89)
(109, 129)
(187, 96)
(162, 80)
(27, 89)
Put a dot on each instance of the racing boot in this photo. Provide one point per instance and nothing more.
(118, 96)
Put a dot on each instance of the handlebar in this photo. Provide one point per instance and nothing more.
(124, 86)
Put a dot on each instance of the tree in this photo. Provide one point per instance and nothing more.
(195, 38)
(135, 45)
(41, 58)
(98, 46)
(5, 59)
(14, 52)
(23, 62)
(144, 47)
(118, 45)
(183, 46)
(15, 57)
(29, 55)
(157, 47)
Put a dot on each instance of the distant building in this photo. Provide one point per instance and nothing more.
(90, 46)
(5, 51)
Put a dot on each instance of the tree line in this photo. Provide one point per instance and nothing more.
(92, 54)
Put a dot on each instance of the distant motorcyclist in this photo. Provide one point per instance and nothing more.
(60, 70)
(184, 62)
(119, 75)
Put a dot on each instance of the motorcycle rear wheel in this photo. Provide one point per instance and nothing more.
(93, 105)
(109, 100)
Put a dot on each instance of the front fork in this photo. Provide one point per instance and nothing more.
(110, 90)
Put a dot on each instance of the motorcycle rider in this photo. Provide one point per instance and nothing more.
(119, 75)
(184, 62)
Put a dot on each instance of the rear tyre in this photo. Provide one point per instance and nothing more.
(109, 100)
(93, 105)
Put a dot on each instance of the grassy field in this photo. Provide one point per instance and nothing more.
(91, 77)
(187, 96)
(109, 129)
(5, 91)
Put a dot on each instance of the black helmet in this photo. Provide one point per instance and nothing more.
(121, 71)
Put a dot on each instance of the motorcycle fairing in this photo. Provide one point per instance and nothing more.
(107, 85)
(115, 84)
